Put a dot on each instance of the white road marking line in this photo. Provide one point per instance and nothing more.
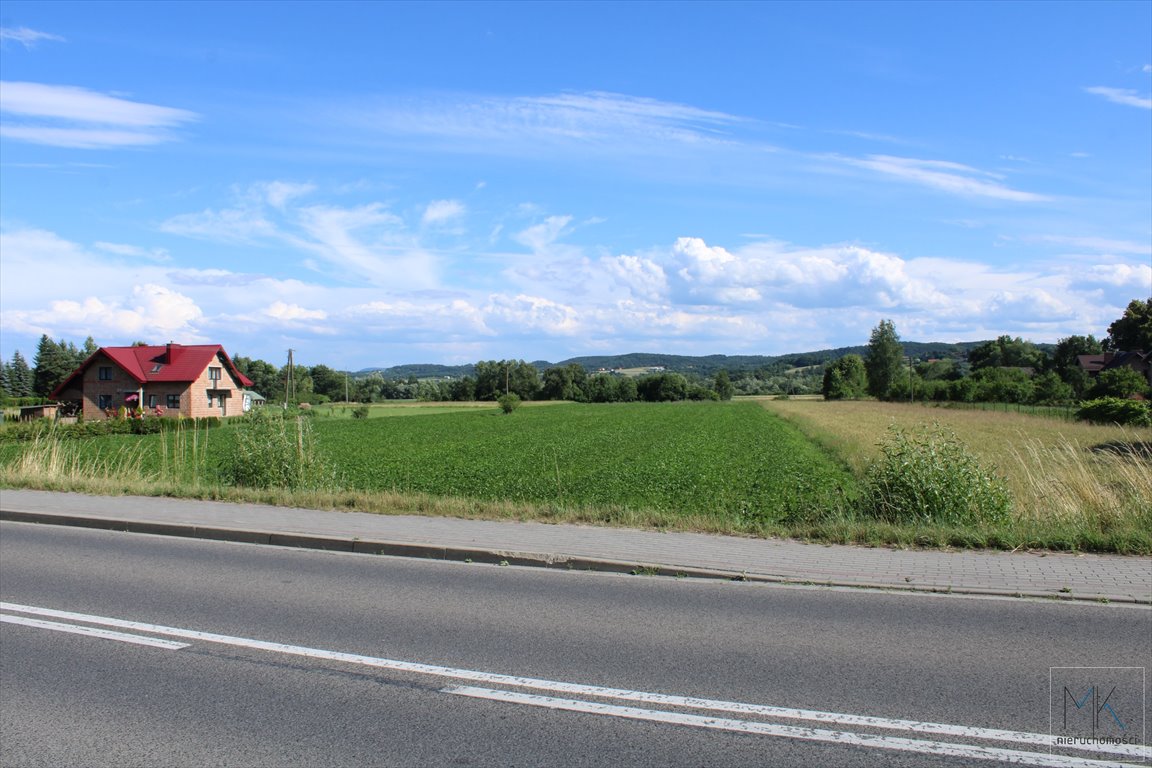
(492, 678)
(875, 741)
(107, 634)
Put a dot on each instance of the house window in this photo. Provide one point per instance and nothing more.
(105, 373)
(151, 401)
(156, 368)
(210, 401)
(174, 401)
(214, 374)
(104, 401)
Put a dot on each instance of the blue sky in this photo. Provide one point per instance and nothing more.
(373, 184)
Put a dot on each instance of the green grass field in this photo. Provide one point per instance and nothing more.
(713, 459)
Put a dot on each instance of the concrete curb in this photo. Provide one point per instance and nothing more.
(504, 557)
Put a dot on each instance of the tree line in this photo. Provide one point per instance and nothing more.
(1005, 370)
(53, 362)
(490, 380)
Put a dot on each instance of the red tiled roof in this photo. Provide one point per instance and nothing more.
(171, 362)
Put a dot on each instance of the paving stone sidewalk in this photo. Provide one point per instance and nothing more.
(1111, 578)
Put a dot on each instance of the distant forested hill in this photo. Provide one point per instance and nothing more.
(706, 365)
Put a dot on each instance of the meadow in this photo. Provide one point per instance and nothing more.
(788, 467)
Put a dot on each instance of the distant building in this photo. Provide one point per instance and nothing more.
(1139, 361)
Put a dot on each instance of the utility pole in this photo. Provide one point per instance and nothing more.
(911, 381)
(290, 384)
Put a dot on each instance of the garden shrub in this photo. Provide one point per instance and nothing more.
(1116, 410)
(928, 477)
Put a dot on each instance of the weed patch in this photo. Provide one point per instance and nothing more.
(930, 476)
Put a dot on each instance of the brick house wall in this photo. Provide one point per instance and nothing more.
(214, 397)
(106, 385)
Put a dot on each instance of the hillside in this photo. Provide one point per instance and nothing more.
(706, 365)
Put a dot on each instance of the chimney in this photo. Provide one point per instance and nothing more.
(170, 352)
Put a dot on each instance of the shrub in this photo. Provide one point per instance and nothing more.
(1116, 410)
(272, 451)
(360, 412)
(509, 402)
(930, 476)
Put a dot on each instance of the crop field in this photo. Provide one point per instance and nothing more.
(713, 459)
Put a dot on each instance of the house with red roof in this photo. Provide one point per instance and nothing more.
(194, 380)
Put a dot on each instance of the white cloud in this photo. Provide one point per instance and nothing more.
(642, 277)
(1136, 277)
(1027, 308)
(1123, 96)
(27, 37)
(596, 119)
(368, 242)
(539, 236)
(954, 178)
(134, 251)
(279, 193)
(365, 242)
(1100, 244)
(278, 310)
(440, 211)
(70, 116)
(814, 277)
(150, 312)
(533, 314)
(231, 225)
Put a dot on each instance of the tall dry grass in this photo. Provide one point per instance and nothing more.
(53, 461)
(1086, 478)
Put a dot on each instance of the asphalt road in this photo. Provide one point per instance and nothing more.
(344, 687)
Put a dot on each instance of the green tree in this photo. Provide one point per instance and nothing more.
(1003, 385)
(17, 376)
(265, 377)
(1050, 389)
(565, 383)
(53, 363)
(662, 387)
(1118, 382)
(723, 385)
(626, 391)
(883, 360)
(1133, 331)
(1066, 364)
(326, 381)
(845, 379)
(1006, 352)
(601, 388)
(463, 389)
(496, 377)
(20, 376)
